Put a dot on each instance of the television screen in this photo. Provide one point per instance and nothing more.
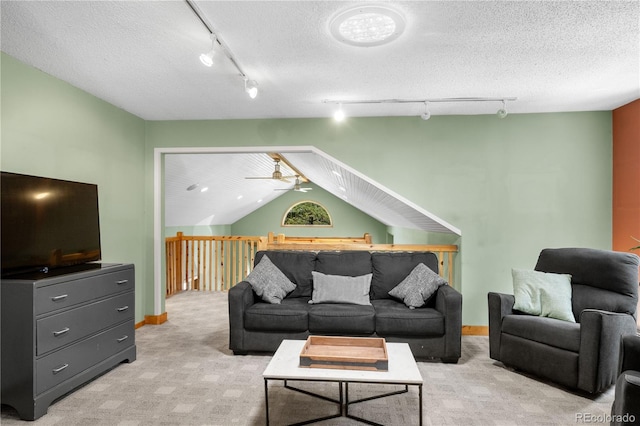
(47, 223)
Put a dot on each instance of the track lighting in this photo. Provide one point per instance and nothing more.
(251, 87)
(339, 114)
(207, 58)
(426, 114)
(502, 112)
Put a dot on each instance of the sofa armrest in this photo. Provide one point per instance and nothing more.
(449, 303)
(600, 336)
(629, 353)
(241, 296)
(500, 305)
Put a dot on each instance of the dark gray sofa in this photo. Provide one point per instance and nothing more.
(432, 331)
(582, 355)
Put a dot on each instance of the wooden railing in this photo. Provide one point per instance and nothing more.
(208, 263)
(217, 263)
(283, 239)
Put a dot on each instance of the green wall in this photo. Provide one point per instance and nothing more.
(347, 220)
(512, 186)
(52, 129)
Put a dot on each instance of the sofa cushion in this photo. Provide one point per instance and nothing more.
(542, 293)
(393, 318)
(340, 289)
(333, 318)
(290, 316)
(269, 282)
(418, 286)
(348, 263)
(389, 269)
(549, 331)
(296, 265)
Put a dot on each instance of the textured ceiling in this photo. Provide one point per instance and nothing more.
(142, 56)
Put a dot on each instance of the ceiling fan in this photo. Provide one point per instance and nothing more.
(276, 175)
(296, 187)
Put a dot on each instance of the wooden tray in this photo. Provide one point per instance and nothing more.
(346, 353)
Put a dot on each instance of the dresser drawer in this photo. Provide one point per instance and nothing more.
(59, 366)
(57, 330)
(69, 293)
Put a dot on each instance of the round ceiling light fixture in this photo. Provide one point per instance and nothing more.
(367, 26)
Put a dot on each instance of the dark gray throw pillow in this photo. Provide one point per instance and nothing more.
(418, 286)
(269, 282)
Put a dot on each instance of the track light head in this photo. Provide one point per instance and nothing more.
(251, 87)
(339, 114)
(426, 114)
(207, 58)
(502, 112)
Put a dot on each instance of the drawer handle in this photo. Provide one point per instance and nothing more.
(122, 309)
(122, 282)
(61, 332)
(122, 339)
(59, 369)
(58, 298)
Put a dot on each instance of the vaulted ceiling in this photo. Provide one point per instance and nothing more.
(142, 56)
(213, 189)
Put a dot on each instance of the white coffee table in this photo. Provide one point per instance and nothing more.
(284, 365)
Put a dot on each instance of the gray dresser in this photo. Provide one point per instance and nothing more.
(60, 330)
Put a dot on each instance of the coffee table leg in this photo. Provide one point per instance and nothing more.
(420, 402)
(266, 399)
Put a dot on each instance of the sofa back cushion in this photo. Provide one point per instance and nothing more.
(389, 269)
(600, 279)
(296, 265)
(349, 263)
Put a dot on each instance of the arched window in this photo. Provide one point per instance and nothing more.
(307, 213)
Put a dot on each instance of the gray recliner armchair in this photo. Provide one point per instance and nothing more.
(583, 355)
(626, 406)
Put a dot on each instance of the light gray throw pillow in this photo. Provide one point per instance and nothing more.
(340, 289)
(418, 286)
(269, 282)
(543, 293)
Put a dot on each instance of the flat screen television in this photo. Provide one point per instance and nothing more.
(47, 224)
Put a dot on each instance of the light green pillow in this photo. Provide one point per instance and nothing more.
(543, 294)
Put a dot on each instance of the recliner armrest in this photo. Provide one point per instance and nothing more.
(500, 305)
(600, 334)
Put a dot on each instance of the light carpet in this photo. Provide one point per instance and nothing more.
(186, 375)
